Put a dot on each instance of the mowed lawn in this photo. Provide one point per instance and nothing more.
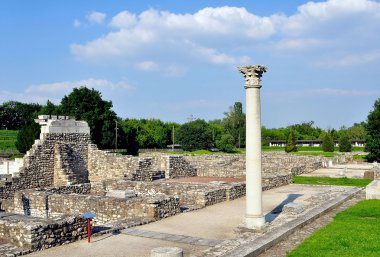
(331, 181)
(8, 139)
(354, 232)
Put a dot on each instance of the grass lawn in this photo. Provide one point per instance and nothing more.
(318, 153)
(331, 181)
(354, 232)
(8, 139)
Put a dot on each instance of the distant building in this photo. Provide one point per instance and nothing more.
(313, 143)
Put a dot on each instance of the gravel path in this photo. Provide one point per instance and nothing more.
(299, 236)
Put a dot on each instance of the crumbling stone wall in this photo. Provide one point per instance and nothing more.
(279, 163)
(105, 165)
(38, 167)
(37, 234)
(45, 204)
(194, 195)
(176, 166)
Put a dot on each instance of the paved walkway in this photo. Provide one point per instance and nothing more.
(192, 231)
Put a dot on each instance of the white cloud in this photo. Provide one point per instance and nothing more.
(67, 86)
(123, 19)
(96, 17)
(77, 23)
(232, 35)
(342, 92)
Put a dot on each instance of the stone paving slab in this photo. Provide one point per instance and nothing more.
(170, 237)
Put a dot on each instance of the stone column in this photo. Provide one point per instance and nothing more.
(254, 218)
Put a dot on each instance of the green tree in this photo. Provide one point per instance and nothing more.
(234, 124)
(226, 143)
(345, 144)
(50, 109)
(87, 104)
(15, 115)
(328, 143)
(291, 143)
(195, 135)
(372, 128)
(26, 137)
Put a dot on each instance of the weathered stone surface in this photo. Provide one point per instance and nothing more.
(37, 234)
(372, 191)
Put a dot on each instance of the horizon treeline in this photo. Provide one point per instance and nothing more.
(226, 134)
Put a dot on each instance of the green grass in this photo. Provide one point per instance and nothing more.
(8, 139)
(359, 156)
(354, 232)
(331, 181)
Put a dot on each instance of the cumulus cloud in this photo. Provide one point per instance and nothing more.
(123, 19)
(96, 17)
(233, 35)
(342, 92)
(67, 86)
(77, 23)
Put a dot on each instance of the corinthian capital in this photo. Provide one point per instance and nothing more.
(252, 75)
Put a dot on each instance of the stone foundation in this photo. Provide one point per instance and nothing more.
(37, 234)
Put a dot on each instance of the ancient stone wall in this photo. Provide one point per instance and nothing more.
(273, 163)
(37, 234)
(190, 195)
(176, 166)
(38, 167)
(107, 209)
(105, 165)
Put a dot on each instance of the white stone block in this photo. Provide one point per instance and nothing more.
(372, 191)
(121, 194)
(166, 252)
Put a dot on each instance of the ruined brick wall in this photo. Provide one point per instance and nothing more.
(37, 234)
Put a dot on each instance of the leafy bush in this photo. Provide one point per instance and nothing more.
(291, 143)
(226, 143)
(26, 137)
(328, 143)
(345, 144)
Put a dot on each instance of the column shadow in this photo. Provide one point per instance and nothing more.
(272, 215)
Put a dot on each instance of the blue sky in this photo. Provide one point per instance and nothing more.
(176, 59)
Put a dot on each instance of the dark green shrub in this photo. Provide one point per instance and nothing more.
(195, 135)
(291, 143)
(328, 143)
(26, 137)
(373, 133)
(226, 143)
(345, 144)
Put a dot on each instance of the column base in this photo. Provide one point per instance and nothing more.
(254, 222)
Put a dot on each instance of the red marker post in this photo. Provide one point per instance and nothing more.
(89, 217)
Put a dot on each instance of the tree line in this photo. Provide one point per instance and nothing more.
(226, 134)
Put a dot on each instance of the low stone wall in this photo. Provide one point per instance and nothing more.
(37, 234)
(105, 165)
(176, 166)
(107, 209)
(278, 163)
(194, 195)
